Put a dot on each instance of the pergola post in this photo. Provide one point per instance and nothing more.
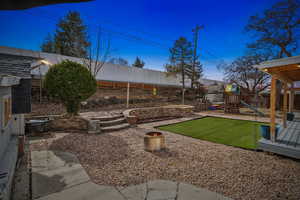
(273, 108)
(285, 88)
(291, 98)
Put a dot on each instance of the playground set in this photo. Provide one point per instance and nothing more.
(233, 101)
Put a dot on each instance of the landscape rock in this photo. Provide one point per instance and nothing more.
(72, 123)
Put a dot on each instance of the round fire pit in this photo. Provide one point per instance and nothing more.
(154, 141)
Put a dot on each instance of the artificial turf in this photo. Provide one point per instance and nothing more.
(239, 133)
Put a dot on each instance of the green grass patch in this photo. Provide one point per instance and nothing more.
(238, 133)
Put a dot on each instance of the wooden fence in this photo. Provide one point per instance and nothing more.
(113, 84)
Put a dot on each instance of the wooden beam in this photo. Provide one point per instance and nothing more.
(282, 77)
(285, 86)
(283, 68)
(294, 89)
(273, 108)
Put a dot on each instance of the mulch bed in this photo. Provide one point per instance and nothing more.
(119, 159)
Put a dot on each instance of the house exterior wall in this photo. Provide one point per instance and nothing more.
(19, 66)
(5, 132)
(13, 97)
(8, 146)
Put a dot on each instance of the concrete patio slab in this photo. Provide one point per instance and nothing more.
(59, 176)
(86, 191)
(54, 172)
(190, 192)
(135, 192)
(161, 189)
(48, 160)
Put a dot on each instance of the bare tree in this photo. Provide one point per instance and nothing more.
(99, 55)
(277, 29)
(277, 32)
(242, 73)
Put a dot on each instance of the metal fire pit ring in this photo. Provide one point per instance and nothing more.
(154, 141)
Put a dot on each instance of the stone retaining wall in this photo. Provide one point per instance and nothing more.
(69, 124)
(139, 115)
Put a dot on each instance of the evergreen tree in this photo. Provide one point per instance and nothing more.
(71, 83)
(181, 55)
(48, 44)
(138, 63)
(118, 61)
(194, 74)
(70, 37)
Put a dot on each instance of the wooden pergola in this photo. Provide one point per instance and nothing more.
(286, 70)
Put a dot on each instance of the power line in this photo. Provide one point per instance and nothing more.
(123, 35)
(106, 21)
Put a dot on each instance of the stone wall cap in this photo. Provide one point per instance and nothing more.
(127, 112)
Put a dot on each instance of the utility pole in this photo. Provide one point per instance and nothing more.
(196, 33)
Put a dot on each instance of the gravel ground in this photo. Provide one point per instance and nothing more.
(118, 159)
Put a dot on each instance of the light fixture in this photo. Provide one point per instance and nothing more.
(265, 70)
(46, 62)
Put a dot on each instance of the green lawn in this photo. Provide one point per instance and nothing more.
(239, 133)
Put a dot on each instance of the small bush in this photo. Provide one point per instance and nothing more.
(71, 83)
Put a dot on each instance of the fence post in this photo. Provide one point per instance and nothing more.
(127, 103)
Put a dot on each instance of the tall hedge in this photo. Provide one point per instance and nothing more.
(71, 83)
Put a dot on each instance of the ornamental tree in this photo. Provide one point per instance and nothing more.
(71, 83)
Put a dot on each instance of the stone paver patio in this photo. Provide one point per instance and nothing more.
(59, 176)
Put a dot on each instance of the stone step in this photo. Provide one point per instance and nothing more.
(112, 122)
(107, 118)
(115, 127)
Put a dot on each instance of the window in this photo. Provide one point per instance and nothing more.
(7, 110)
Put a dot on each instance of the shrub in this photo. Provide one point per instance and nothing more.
(71, 83)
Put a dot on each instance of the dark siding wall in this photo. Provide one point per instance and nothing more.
(21, 97)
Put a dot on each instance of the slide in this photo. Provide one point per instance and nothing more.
(252, 108)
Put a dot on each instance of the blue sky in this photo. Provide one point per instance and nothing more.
(156, 23)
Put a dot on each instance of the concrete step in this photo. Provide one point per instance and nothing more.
(108, 118)
(112, 122)
(115, 127)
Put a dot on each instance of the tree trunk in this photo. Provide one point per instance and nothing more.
(183, 83)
